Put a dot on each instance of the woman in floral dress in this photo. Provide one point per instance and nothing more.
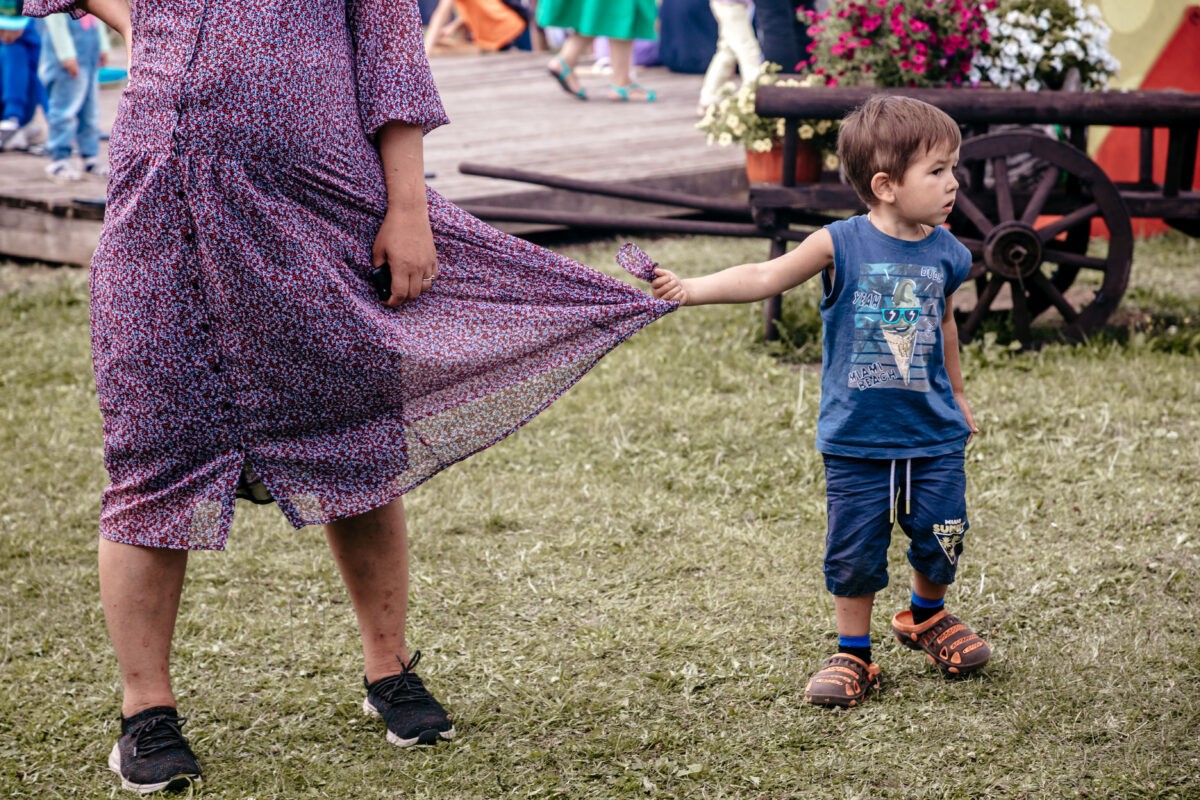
(266, 155)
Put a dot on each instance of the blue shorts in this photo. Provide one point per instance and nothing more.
(927, 496)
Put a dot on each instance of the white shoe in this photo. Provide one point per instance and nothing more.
(92, 165)
(18, 140)
(34, 131)
(9, 129)
(63, 171)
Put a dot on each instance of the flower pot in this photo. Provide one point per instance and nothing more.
(768, 167)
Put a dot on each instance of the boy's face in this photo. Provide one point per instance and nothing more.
(926, 192)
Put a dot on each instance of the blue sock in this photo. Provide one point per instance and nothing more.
(857, 646)
(923, 608)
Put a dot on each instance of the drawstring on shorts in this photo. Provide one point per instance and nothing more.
(892, 495)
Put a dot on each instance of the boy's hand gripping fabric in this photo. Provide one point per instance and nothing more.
(635, 261)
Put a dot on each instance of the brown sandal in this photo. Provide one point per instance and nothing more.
(946, 640)
(843, 681)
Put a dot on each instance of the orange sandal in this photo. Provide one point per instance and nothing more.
(946, 640)
(844, 681)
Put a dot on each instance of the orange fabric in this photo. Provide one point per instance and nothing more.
(492, 24)
(1177, 67)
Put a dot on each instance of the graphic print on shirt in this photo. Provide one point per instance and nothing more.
(898, 309)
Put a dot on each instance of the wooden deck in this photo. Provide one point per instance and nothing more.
(505, 111)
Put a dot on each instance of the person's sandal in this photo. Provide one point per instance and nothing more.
(622, 93)
(946, 640)
(561, 74)
(844, 681)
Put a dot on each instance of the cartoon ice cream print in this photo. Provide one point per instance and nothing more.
(899, 322)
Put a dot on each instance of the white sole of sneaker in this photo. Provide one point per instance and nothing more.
(177, 782)
(425, 737)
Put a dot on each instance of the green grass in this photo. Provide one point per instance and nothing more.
(625, 598)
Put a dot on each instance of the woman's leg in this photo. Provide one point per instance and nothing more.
(621, 51)
(371, 551)
(562, 66)
(139, 590)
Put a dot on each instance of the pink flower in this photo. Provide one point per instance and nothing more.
(871, 23)
(905, 64)
(918, 26)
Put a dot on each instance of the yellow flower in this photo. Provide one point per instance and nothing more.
(806, 131)
(831, 161)
(823, 127)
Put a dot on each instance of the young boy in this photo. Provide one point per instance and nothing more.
(894, 421)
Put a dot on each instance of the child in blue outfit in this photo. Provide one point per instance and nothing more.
(20, 91)
(894, 421)
(72, 53)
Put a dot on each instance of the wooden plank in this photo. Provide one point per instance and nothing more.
(994, 106)
(505, 110)
(34, 234)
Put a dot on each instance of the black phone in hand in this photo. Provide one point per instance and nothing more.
(381, 281)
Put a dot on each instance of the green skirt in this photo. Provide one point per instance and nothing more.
(618, 19)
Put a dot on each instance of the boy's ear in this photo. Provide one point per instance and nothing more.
(883, 187)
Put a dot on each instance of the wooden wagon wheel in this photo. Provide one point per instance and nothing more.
(1035, 239)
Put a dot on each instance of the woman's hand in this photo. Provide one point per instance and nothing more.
(405, 242)
(668, 286)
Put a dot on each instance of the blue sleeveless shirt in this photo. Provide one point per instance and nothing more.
(884, 388)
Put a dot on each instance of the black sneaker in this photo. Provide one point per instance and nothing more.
(412, 714)
(152, 754)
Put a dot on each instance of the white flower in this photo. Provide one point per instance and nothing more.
(725, 139)
(831, 161)
(806, 131)
(761, 145)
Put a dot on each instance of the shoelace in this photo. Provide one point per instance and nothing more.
(158, 733)
(403, 687)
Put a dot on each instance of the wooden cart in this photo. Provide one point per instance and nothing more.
(1027, 201)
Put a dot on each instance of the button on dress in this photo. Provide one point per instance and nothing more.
(232, 323)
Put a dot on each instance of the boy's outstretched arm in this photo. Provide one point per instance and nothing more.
(954, 367)
(746, 283)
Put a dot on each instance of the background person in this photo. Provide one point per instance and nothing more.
(737, 48)
(21, 93)
(621, 21)
(69, 68)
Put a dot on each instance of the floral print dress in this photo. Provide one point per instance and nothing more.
(233, 328)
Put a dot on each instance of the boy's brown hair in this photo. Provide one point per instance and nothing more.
(887, 134)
